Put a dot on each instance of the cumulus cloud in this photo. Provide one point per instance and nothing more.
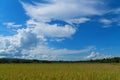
(51, 30)
(24, 39)
(27, 45)
(30, 42)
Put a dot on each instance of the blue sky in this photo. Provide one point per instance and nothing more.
(59, 30)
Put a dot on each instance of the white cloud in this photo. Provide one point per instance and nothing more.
(57, 39)
(45, 52)
(12, 25)
(27, 43)
(93, 55)
(48, 50)
(24, 39)
(71, 11)
(115, 18)
(107, 23)
(63, 9)
(51, 30)
(31, 42)
(78, 21)
(98, 55)
(107, 56)
(117, 11)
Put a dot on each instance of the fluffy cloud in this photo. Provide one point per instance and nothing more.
(51, 30)
(30, 42)
(24, 39)
(26, 44)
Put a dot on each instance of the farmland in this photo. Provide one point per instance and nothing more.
(60, 71)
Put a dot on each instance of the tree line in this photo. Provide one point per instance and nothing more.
(105, 60)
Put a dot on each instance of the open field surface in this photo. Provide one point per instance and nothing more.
(62, 71)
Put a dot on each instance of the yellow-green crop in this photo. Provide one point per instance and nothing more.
(71, 71)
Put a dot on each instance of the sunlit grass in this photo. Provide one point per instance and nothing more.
(75, 71)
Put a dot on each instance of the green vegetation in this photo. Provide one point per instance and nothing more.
(60, 71)
(108, 60)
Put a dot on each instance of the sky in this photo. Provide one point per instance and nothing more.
(59, 29)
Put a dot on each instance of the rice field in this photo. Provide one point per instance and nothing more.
(63, 71)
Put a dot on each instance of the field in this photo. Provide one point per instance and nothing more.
(63, 71)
